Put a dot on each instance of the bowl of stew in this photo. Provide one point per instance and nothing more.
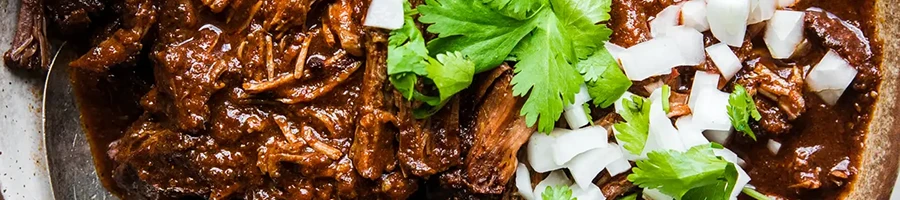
(456, 99)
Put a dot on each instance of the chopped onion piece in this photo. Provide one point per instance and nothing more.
(690, 135)
(540, 151)
(762, 11)
(774, 146)
(618, 166)
(655, 194)
(556, 178)
(702, 80)
(386, 14)
(784, 32)
(582, 96)
(742, 181)
(523, 182)
(666, 18)
(590, 192)
(693, 14)
(576, 117)
(786, 3)
(571, 143)
(728, 20)
(710, 110)
(726, 154)
(613, 49)
(661, 127)
(650, 58)
(586, 166)
(831, 77)
(725, 59)
(716, 136)
(689, 43)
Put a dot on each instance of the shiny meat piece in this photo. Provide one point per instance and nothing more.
(125, 42)
(345, 18)
(373, 147)
(30, 48)
(629, 23)
(155, 157)
(772, 120)
(188, 74)
(835, 33)
(73, 16)
(499, 132)
(847, 40)
(430, 145)
(617, 186)
(786, 91)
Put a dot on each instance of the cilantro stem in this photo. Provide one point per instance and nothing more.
(665, 97)
(755, 194)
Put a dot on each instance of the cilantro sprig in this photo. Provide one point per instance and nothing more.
(408, 60)
(740, 108)
(547, 38)
(695, 174)
(635, 130)
(559, 192)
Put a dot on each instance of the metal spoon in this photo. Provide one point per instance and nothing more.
(71, 165)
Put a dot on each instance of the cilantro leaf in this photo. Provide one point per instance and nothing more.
(408, 60)
(666, 92)
(754, 194)
(721, 190)
(605, 81)
(451, 73)
(740, 108)
(486, 36)
(676, 174)
(587, 112)
(635, 130)
(632, 196)
(594, 10)
(518, 9)
(560, 192)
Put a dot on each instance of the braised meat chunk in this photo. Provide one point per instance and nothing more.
(30, 48)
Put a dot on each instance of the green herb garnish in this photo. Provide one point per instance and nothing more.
(740, 108)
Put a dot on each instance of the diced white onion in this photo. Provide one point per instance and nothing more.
(666, 18)
(571, 143)
(618, 166)
(540, 151)
(728, 20)
(725, 59)
(574, 112)
(650, 58)
(710, 110)
(784, 32)
(693, 14)
(774, 146)
(661, 128)
(523, 182)
(556, 178)
(786, 3)
(690, 44)
(590, 192)
(690, 135)
(575, 117)
(762, 11)
(655, 194)
(702, 80)
(613, 49)
(742, 181)
(386, 14)
(586, 166)
(726, 154)
(717, 136)
(830, 77)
